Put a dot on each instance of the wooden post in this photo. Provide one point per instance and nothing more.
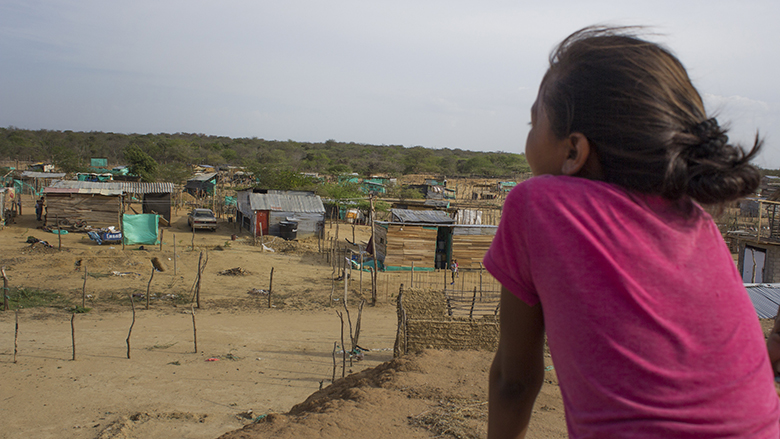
(122, 227)
(194, 328)
(270, 286)
(445, 279)
(197, 285)
(357, 325)
(59, 231)
(84, 288)
(16, 332)
(473, 299)
(130, 332)
(343, 348)
(335, 343)
(332, 285)
(262, 238)
(411, 281)
(6, 291)
(192, 243)
(148, 288)
(162, 234)
(73, 334)
(346, 285)
(174, 254)
(360, 287)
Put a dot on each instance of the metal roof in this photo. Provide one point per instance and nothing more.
(203, 177)
(136, 187)
(421, 216)
(765, 298)
(34, 174)
(93, 191)
(286, 203)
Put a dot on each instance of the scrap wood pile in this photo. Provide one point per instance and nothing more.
(237, 271)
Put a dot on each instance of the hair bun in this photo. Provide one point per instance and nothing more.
(711, 138)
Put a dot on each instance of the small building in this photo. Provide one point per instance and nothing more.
(98, 162)
(155, 198)
(97, 207)
(429, 239)
(433, 190)
(758, 249)
(202, 185)
(262, 212)
(373, 186)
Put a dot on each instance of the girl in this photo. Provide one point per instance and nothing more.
(607, 251)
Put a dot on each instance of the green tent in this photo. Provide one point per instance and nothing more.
(140, 229)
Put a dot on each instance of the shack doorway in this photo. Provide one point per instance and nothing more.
(443, 247)
(753, 265)
(261, 218)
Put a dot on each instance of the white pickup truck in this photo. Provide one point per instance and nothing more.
(202, 219)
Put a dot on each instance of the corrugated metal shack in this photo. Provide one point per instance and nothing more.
(98, 202)
(201, 185)
(765, 298)
(430, 239)
(262, 211)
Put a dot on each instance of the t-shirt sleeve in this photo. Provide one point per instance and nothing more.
(508, 258)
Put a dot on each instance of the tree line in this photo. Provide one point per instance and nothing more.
(71, 151)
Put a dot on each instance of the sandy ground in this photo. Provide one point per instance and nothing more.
(253, 363)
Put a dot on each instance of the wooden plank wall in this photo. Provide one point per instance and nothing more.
(96, 210)
(469, 245)
(380, 235)
(407, 244)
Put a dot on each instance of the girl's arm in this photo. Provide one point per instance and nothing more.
(773, 345)
(517, 372)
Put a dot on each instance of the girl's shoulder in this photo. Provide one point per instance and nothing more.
(551, 189)
(550, 194)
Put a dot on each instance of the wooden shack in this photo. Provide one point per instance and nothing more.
(98, 208)
(155, 198)
(430, 240)
(470, 243)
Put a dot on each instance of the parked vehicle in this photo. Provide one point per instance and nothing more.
(202, 219)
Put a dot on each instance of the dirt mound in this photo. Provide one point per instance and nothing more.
(423, 395)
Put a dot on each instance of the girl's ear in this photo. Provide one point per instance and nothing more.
(579, 153)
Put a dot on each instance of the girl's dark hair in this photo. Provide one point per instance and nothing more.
(634, 102)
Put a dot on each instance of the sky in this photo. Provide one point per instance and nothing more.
(439, 74)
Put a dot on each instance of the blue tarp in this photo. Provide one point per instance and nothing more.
(140, 229)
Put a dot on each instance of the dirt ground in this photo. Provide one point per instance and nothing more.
(253, 363)
(258, 372)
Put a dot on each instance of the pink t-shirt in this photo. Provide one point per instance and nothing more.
(650, 329)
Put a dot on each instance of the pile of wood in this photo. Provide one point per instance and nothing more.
(237, 271)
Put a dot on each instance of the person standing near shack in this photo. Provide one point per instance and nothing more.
(454, 268)
(39, 209)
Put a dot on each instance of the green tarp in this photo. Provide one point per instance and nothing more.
(140, 229)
